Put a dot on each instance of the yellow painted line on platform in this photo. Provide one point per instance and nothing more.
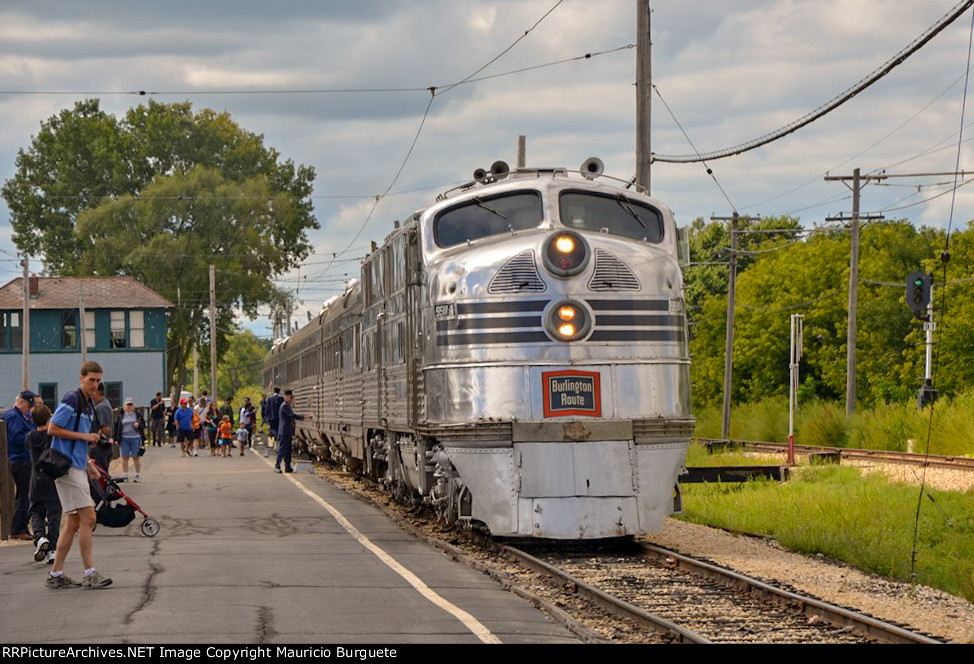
(471, 623)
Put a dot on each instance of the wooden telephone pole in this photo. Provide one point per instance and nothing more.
(644, 90)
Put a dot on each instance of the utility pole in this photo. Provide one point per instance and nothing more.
(797, 324)
(729, 345)
(850, 357)
(213, 331)
(857, 182)
(644, 90)
(521, 151)
(25, 325)
(850, 361)
(81, 324)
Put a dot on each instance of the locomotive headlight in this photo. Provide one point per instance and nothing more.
(568, 321)
(565, 244)
(566, 254)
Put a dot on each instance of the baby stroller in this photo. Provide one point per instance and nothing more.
(105, 492)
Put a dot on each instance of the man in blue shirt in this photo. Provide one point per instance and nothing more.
(70, 431)
(183, 417)
(19, 424)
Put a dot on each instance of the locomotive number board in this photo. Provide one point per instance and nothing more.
(571, 393)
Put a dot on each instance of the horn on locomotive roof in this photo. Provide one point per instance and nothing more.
(499, 169)
(480, 175)
(592, 168)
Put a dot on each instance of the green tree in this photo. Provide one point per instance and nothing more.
(159, 196)
(811, 277)
(240, 366)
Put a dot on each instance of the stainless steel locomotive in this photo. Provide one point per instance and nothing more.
(514, 355)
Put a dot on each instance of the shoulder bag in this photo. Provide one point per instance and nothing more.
(56, 464)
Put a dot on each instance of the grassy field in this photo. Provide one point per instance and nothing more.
(865, 521)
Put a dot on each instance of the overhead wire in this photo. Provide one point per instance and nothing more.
(944, 258)
(831, 105)
(433, 90)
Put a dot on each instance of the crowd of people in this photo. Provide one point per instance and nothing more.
(86, 429)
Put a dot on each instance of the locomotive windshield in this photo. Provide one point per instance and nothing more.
(489, 215)
(617, 214)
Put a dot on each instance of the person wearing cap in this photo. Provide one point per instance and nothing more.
(272, 416)
(184, 427)
(19, 424)
(286, 417)
(129, 430)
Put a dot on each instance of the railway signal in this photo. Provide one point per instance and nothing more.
(918, 287)
(919, 297)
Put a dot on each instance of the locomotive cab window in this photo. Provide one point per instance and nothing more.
(488, 215)
(616, 214)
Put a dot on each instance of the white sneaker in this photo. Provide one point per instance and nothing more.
(124, 477)
(138, 477)
(50, 557)
(41, 548)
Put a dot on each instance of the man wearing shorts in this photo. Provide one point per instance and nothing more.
(183, 418)
(70, 431)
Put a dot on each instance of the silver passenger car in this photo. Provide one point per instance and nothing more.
(515, 354)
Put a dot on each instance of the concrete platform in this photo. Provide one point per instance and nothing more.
(246, 556)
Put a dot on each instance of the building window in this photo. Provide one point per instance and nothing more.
(90, 339)
(137, 329)
(69, 330)
(11, 332)
(118, 329)
(48, 393)
(113, 392)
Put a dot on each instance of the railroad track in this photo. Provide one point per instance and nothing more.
(691, 601)
(885, 456)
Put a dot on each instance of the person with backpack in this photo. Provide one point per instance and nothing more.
(71, 433)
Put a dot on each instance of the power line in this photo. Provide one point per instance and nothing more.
(831, 105)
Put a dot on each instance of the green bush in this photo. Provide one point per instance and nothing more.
(822, 423)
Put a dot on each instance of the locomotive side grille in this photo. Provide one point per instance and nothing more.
(519, 275)
(611, 274)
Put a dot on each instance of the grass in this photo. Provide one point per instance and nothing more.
(699, 455)
(897, 426)
(865, 521)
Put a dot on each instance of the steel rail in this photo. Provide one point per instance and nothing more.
(615, 605)
(860, 623)
(913, 458)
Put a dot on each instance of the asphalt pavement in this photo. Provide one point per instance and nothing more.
(248, 556)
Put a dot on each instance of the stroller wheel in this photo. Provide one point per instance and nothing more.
(150, 527)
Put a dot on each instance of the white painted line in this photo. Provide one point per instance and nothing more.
(471, 623)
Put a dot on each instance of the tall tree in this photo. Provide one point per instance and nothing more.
(159, 196)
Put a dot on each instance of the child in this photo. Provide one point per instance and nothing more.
(45, 507)
(242, 435)
(211, 428)
(226, 435)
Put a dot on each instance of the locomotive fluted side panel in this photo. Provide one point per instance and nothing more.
(395, 398)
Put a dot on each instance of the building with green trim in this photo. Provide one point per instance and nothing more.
(122, 322)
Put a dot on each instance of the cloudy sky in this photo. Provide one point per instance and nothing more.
(729, 71)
